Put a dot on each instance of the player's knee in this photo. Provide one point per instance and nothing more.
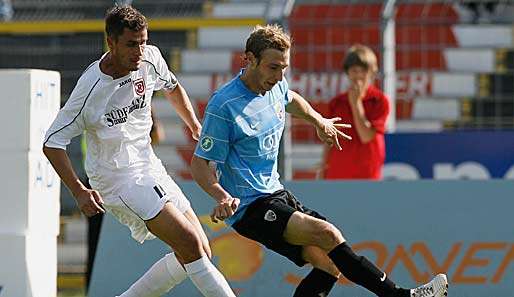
(329, 236)
(192, 248)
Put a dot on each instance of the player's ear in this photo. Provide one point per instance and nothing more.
(250, 59)
(110, 42)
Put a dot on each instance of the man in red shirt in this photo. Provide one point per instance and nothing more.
(366, 108)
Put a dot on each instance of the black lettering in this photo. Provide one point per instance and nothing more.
(117, 114)
(125, 82)
(133, 107)
(143, 103)
(109, 120)
(158, 191)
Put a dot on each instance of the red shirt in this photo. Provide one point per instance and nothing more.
(359, 160)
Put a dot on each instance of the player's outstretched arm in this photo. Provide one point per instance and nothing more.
(204, 176)
(180, 101)
(327, 129)
(88, 201)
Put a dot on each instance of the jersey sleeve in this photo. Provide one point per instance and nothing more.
(70, 119)
(284, 87)
(377, 116)
(165, 78)
(216, 134)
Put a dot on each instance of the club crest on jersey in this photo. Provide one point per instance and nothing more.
(139, 86)
(270, 216)
(279, 111)
(206, 143)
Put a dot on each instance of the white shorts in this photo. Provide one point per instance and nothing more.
(141, 199)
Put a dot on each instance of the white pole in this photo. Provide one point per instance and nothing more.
(389, 61)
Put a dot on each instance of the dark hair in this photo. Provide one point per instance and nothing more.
(360, 55)
(120, 17)
(266, 37)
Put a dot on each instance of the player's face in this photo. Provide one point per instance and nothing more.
(128, 49)
(359, 75)
(270, 69)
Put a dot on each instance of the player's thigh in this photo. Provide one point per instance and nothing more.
(193, 219)
(172, 227)
(318, 258)
(303, 229)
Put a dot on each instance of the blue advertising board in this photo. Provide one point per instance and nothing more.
(450, 155)
(412, 230)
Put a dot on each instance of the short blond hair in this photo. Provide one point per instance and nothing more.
(360, 55)
(267, 37)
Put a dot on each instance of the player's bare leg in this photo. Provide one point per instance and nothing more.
(169, 271)
(182, 236)
(193, 219)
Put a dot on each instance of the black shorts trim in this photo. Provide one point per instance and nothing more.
(265, 221)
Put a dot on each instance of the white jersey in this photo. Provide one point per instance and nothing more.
(116, 114)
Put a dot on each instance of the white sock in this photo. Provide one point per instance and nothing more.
(159, 279)
(209, 281)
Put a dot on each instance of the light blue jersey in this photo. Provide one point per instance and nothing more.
(241, 132)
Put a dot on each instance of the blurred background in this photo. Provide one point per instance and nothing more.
(447, 67)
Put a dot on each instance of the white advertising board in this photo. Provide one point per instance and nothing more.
(29, 224)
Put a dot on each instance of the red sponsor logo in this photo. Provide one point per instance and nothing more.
(139, 86)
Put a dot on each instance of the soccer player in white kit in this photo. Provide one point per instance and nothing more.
(111, 101)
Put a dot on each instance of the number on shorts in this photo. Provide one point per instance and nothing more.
(159, 190)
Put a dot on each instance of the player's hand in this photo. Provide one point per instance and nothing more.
(89, 202)
(225, 209)
(329, 133)
(196, 131)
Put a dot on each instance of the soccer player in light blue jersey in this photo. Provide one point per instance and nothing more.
(241, 132)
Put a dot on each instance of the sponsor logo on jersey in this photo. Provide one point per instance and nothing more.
(139, 86)
(206, 143)
(271, 141)
(123, 83)
(119, 115)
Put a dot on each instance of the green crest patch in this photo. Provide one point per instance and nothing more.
(206, 143)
